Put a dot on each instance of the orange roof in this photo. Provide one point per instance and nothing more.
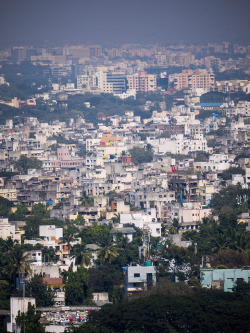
(52, 281)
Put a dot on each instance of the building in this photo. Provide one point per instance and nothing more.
(8, 229)
(189, 79)
(18, 304)
(223, 279)
(232, 86)
(142, 82)
(139, 278)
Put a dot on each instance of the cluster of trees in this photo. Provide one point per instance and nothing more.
(173, 307)
(14, 264)
(106, 275)
(25, 163)
(141, 155)
(227, 174)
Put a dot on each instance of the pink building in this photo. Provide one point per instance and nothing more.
(142, 82)
(189, 79)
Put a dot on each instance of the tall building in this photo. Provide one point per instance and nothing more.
(189, 79)
(111, 82)
(142, 82)
(19, 54)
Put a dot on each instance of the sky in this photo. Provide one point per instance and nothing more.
(111, 22)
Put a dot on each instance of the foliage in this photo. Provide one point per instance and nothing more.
(108, 252)
(229, 259)
(43, 295)
(76, 286)
(30, 322)
(201, 156)
(213, 97)
(25, 163)
(209, 310)
(62, 140)
(218, 132)
(140, 155)
(105, 278)
(227, 174)
(20, 213)
(38, 216)
(79, 220)
(203, 114)
(214, 237)
(177, 263)
(82, 257)
(94, 235)
(165, 134)
(82, 152)
(86, 200)
(234, 197)
(5, 206)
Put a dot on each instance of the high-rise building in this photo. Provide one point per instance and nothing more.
(142, 82)
(19, 54)
(189, 79)
(111, 82)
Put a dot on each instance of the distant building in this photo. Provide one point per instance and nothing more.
(142, 82)
(223, 279)
(189, 79)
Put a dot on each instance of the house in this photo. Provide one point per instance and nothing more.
(223, 279)
(139, 278)
(56, 284)
(125, 231)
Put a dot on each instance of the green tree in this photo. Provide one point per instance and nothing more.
(20, 213)
(83, 257)
(29, 322)
(86, 200)
(79, 220)
(108, 252)
(24, 163)
(17, 264)
(43, 295)
(76, 286)
(227, 174)
(5, 206)
(141, 155)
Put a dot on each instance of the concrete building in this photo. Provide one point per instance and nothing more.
(8, 229)
(142, 82)
(139, 278)
(223, 279)
(189, 79)
(18, 304)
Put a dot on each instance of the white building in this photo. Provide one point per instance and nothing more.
(8, 230)
(49, 231)
(139, 278)
(141, 221)
(18, 304)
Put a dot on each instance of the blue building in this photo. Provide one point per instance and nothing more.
(224, 279)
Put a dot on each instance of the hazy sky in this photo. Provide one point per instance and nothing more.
(107, 21)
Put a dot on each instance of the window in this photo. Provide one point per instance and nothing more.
(137, 275)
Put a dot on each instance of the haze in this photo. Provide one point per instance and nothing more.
(114, 21)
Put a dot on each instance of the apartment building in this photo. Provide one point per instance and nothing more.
(142, 82)
(189, 79)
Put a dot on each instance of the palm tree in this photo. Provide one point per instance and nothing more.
(108, 252)
(67, 238)
(18, 263)
(82, 257)
(116, 218)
